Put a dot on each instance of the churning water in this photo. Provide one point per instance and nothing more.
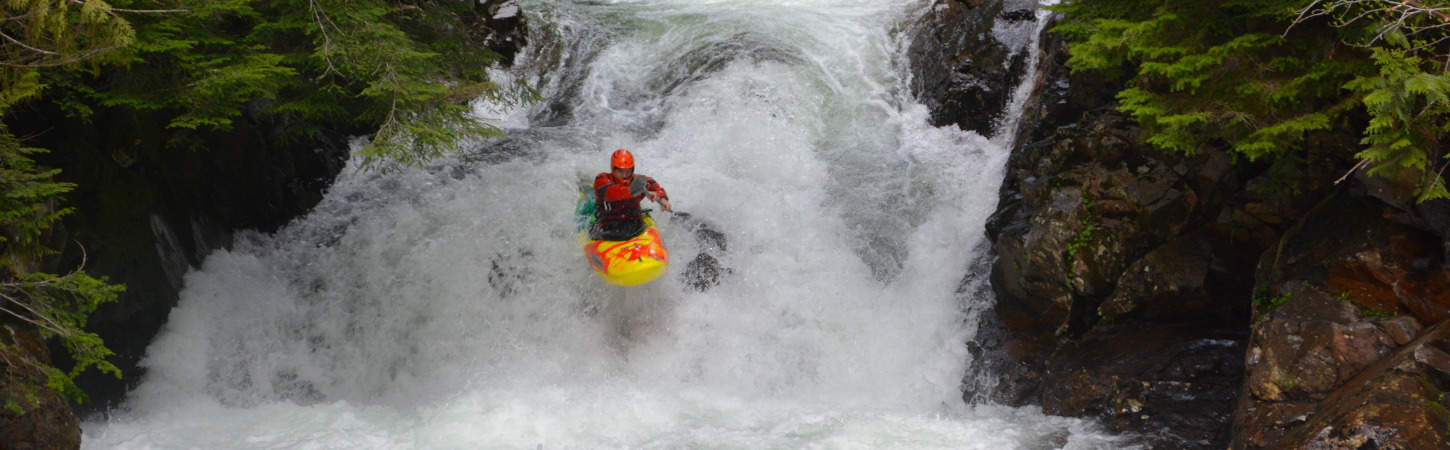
(451, 307)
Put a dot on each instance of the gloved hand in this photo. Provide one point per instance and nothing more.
(655, 197)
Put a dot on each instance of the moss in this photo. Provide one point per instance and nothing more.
(1372, 313)
(1284, 382)
(1437, 406)
(1270, 303)
(1088, 234)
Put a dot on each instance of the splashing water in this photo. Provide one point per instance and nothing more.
(451, 307)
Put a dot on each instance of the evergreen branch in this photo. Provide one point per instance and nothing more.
(59, 62)
(319, 17)
(138, 11)
(1406, 9)
(50, 323)
(27, 47)
(1421, 6)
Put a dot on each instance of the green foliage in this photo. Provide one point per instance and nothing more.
(1269, 303)
(54, 304)
(42, 34)
(46, 33)
(50, 33)
(1082, 240)
(404, 70)
(26, 210)
(1408, 110)
(1088, 234)
(1259, 77)
(1373, 313)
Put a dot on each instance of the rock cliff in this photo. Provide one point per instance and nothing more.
(1196, 301)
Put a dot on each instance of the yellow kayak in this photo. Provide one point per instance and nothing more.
(633, 262)
(637, 261)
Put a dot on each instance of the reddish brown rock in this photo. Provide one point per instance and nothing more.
(1324, 346)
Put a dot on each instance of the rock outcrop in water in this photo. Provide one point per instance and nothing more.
(963, 72)
(1196, 302)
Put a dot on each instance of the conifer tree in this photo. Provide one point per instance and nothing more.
(39, 34)
(1258, 77)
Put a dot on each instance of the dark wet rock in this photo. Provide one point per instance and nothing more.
(32, 415)
(1083, 209)
(1173, 295)
(1175, 382)
(500, 25)
(1119, 296)
(705, 270)
(509, 274)
(1116, 291)
(964, 74)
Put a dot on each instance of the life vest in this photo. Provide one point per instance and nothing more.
(616, 201)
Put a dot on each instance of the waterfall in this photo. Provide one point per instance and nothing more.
(450, 307)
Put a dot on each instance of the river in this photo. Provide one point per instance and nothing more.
(450, 307)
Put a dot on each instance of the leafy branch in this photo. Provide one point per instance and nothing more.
(56, 305)
(1408, 95)
(1258, 77)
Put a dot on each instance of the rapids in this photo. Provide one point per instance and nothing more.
(450, 307)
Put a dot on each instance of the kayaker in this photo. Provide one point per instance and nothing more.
(617, 194)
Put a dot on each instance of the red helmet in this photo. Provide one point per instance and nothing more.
(621, 159)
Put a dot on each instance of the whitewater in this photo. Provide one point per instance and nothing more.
(450, 306)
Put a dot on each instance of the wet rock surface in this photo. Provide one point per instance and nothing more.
(1194, 301)
(501, 26)
(1113, 279)
(705, 269)
(964, 71)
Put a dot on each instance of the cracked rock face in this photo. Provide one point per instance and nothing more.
(1171, 296)
(1350, 346)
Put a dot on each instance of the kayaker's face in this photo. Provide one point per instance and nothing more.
(623, 174)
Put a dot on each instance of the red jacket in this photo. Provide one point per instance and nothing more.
(618, 201)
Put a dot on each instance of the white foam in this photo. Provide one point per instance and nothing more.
(451, 308)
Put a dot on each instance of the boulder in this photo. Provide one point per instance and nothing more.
(1176, 382)
(1088, 205)
(963, 70)
(1117, 296)
(501, 26)
(705, 269)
